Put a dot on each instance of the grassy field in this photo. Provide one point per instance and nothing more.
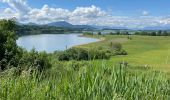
(99, 79)
(142, 50)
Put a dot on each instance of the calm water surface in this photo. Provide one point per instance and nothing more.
(52, 42)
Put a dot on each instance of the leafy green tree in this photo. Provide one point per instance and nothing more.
(99, 33)
(159, 33)
(9, 51)
(34, 60)
(165, 33)
(118, 33)
(153, 33)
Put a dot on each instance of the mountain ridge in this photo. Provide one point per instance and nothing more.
(69, 25)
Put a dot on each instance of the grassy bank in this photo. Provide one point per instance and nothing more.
(91, 82)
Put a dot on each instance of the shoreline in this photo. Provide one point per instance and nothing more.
(89, 36)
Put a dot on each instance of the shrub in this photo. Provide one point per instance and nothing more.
(115, 46)
(63, 56)
(34, 61)
(121, 52)
(74, 54)
(84, 54)
(87, 33)
(99, 33)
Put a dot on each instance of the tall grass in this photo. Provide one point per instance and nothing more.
(91, 82)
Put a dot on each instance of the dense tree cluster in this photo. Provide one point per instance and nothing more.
(119, 33)
(43, 29)
(153, 33)
(9, 51)
(13, 56)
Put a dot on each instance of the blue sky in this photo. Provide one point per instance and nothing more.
(122, 7)
(140, 13)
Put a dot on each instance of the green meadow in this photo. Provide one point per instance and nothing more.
(151, 51)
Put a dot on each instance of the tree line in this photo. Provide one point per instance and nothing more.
(43, 29)
(154, 33)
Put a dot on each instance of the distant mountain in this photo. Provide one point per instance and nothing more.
(83, 26)
(60, 24)
(68, 25)
(109, 27)
(30, 23)
(161, 27)
(65, 24)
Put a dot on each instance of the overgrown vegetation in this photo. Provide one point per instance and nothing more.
(77, 53)
(93, 82)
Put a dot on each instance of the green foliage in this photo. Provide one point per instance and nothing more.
(34, 61)
(99, 33)
(153, 33)
(10, 52)
(7, 25)
(100, 53)
(74, 54)
(117, 47)
(84, 54)
(44, 29)
(94, 82)
(13, 56)
(88, 33)
(119, 33)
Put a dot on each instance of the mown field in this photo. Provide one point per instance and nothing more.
(151, 51)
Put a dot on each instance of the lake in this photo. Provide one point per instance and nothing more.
(52, 42)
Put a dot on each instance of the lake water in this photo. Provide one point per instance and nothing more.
(52, 42)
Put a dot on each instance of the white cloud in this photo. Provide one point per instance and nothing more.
(81, 15)
(165, 20)
(47, 14)
(145, 13)
(88, 12)
(8, 11)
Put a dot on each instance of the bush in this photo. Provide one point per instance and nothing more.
(34, 61)
(84, 54)
(74, 54)
(87, 33)
(99, 33)
(121, 52)
(115, 46)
